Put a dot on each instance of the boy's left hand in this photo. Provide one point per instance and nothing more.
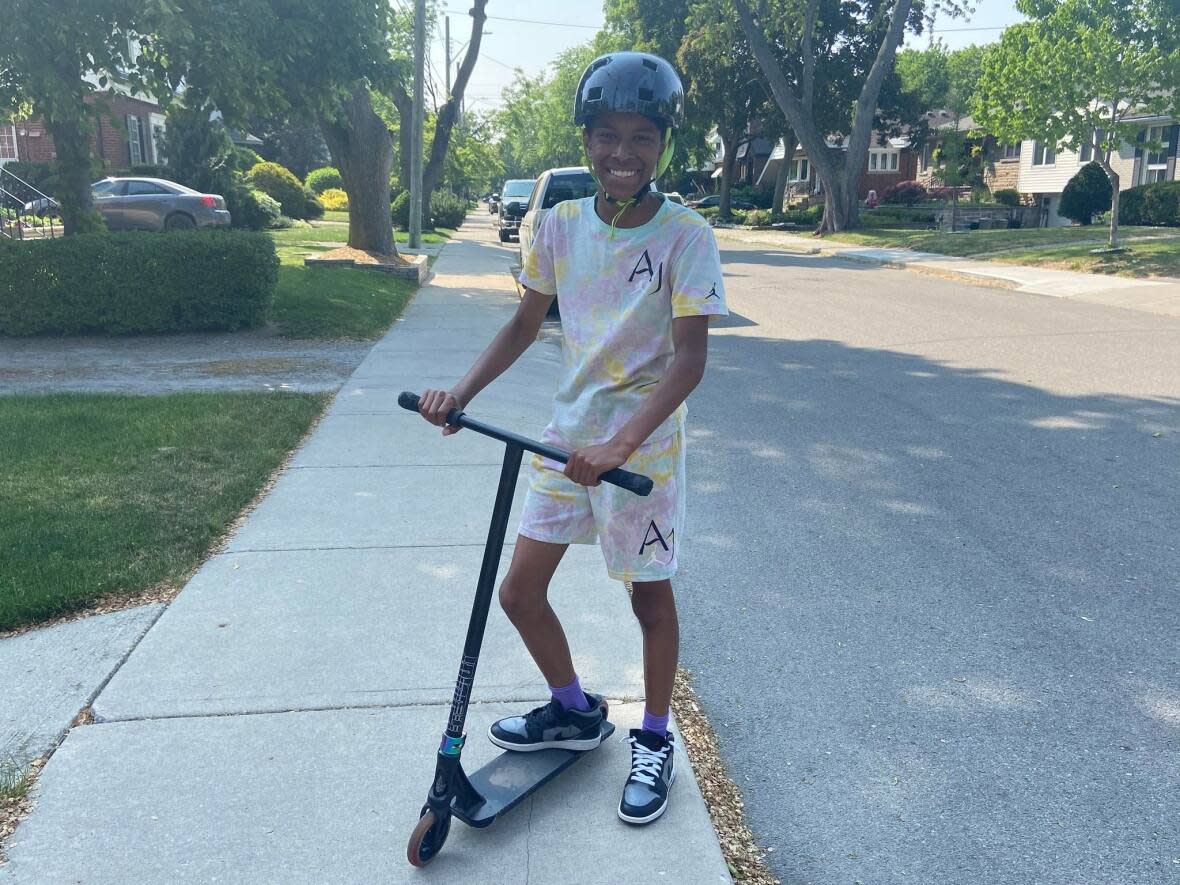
(586, 465)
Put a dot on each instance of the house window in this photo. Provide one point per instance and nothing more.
(135, 139)
(1011, 152)
(1087, 152)
(8, 143)
(1044, 154)
(883, 161)
(802, 170)
(1156, 166)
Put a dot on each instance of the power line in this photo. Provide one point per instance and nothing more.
(532, 21)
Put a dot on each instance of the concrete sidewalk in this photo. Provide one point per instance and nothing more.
(278, 723)
(1159, 296)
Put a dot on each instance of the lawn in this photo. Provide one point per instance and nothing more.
(117, 495)
(1143, 258)
(334, 302)
(303, 232)
(980, 242)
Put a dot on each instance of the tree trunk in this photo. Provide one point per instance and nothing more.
(840, 209)
(363, 152)
(1114, 203)
(444, 122)
(72, 141)
(405, 134)
(784, 173)
(728, 162)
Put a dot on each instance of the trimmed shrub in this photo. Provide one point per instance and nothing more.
(334, 200)
(280, 184)
(252, 209)
(708, 211)
(1007, 197)
(1154, 204)
(136, 282)
(148, 170)
(401, 211)
(324, 178)
(1085, 195)
(312, 207)
(809, 216)
(245, 158)
(446, 209)
(758, 217)
(904, 192)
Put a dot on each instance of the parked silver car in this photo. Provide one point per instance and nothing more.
(148, 204)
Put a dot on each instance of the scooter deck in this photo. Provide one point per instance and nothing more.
(512, 776)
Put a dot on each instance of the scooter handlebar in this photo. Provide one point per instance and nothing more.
(624, 479)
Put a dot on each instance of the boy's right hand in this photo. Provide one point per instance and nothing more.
(435, 405)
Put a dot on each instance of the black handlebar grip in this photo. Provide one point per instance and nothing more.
(632, 482)
(409, 402)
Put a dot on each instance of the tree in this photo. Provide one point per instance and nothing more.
(1086, 194)
(824, 58)
(959, 160)
(298, 60)
(44, 56)
(444, 121)
(1078, 72)
(716, 65)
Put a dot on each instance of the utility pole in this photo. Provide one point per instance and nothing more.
(416, 156)
(447, 43)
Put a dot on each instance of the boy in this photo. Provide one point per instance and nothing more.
(638, 277)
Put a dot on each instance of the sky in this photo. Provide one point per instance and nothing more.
(540, 31)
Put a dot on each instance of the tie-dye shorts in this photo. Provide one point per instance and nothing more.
(639, 536)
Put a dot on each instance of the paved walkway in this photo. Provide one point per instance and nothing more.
(278, 722)
(1160, 296)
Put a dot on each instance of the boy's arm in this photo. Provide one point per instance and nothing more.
(510, 342)
(690, 338)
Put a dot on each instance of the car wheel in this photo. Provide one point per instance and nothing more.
(179, 221)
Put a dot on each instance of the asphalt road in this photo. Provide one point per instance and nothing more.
(931, 592)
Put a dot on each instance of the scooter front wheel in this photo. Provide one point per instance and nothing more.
(428, 837)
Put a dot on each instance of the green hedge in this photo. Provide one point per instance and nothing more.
(1155, 204)
(322, 179)
(137, 282)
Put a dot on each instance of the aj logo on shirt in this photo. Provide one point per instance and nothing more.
(713, 293)
(643, 266)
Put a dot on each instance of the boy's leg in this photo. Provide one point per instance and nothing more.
(655, 607)
(524, 598)
(572, 720)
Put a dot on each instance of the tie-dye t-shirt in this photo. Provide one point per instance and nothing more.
(618, 297)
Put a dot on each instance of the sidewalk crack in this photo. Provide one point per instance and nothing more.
(528, 839)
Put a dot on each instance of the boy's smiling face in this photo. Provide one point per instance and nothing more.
(624, 149)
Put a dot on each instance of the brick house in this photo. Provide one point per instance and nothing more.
(889, 160)
(1001, 169)
(129, 133)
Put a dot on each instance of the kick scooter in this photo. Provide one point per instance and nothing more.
(479, 798)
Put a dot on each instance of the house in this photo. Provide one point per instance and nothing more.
(128, 131)
(889, 160)
(1045, 168)
(1001, 169)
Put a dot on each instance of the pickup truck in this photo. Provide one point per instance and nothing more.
(514, 197)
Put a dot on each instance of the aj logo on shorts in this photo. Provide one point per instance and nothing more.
(654, 536)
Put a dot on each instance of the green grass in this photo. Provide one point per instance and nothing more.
(335, 302)
(14, 780)
(119, 494)
(1143, 258)
(979, 242)
(303, 233)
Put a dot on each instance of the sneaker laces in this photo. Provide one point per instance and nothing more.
(645, 762)
(542, 716)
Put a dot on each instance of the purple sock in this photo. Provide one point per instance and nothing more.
(571, 696)
(655, 724)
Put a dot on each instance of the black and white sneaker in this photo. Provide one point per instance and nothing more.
(645, 795)
(552, 727)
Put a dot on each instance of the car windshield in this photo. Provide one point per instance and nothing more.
(574, 186)
(518, 189)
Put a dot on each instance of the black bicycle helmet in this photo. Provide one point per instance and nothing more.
(633, 82)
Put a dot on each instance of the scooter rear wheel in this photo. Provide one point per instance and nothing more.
(428, 837)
